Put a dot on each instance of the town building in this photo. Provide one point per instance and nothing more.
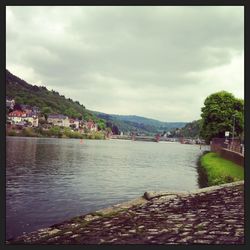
(10, 103)
(30, 109)
(91, 126)
(58, 120)
(74, 123)
(21, 117)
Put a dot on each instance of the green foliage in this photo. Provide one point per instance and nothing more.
(11, 132)
(72, 134)
(46, 111)
(28, 132)
(219, 170)
(71, 112)
(55, 131)
(47, 101)
(137, 124)
(101, 124)
(217, 115)
(191, 129)
(19, 100)
(96, 135)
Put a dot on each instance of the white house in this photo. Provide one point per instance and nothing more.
(59, 120)
(18, 116)
(74, 123)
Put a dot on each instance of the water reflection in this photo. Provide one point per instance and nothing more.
(50, 180)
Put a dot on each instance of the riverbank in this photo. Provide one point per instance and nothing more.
(55, 132)
(213, 215)
(219, 170)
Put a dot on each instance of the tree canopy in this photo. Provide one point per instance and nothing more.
(218, 115)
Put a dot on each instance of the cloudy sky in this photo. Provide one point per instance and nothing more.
(157, 62)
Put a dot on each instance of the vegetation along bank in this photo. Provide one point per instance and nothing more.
(219, 170)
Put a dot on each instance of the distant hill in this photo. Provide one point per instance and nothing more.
(191, 129)
(139, 124)
(46, 100)
(52, 102)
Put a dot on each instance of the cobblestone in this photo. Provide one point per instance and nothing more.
(207, 216)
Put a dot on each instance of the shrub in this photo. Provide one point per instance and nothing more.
(29, 132)
(11, 133)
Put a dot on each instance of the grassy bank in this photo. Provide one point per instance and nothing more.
(219, 170)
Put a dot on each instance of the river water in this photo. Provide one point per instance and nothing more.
(49, 180)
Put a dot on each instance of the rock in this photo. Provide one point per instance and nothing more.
(53, 231)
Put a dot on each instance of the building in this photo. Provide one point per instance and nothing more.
(32, 118)
(30, 109)
(91, 126)
(58, 120)
(10, 103)
(16, 116)
(74, 123)
(21, 117)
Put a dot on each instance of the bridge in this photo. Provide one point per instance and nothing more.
(144, 138)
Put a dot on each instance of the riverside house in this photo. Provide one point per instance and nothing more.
(58, 120)
(91, 126)
(74, 123)
(21, 117)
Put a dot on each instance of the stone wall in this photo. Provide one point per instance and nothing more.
(232, 156)
(230, 151)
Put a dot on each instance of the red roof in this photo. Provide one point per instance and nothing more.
(17, 113)
(90, 124)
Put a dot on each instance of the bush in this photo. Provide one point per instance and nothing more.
(29, 132)
(99, 135)
(11, 133)
(55, 131)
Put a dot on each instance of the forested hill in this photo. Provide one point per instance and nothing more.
(191, 129)
(52, 102)
(149, 121)
(47, 101)
(139, 124)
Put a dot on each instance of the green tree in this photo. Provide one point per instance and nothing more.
(218, 115)
(56, 131)
(71, 112)
(19, 100)
(101, 124)
(46, 111)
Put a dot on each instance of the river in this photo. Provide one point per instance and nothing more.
(49, 180)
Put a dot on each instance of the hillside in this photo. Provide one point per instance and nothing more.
(191, 129)
(47, 101)
(139, 124)
(52, 102)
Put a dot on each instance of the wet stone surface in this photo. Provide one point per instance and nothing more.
(212, 216)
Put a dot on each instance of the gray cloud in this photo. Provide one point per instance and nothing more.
(159, 62)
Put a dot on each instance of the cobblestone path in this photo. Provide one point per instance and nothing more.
(212, 215)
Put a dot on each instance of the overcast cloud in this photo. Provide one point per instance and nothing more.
(157, 62)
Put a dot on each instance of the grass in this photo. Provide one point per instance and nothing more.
(220, 170)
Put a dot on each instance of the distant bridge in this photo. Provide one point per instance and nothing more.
(144, 138)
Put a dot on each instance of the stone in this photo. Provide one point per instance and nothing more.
(53, 231)
(74, 236)
(213, 215)
(132, 231)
